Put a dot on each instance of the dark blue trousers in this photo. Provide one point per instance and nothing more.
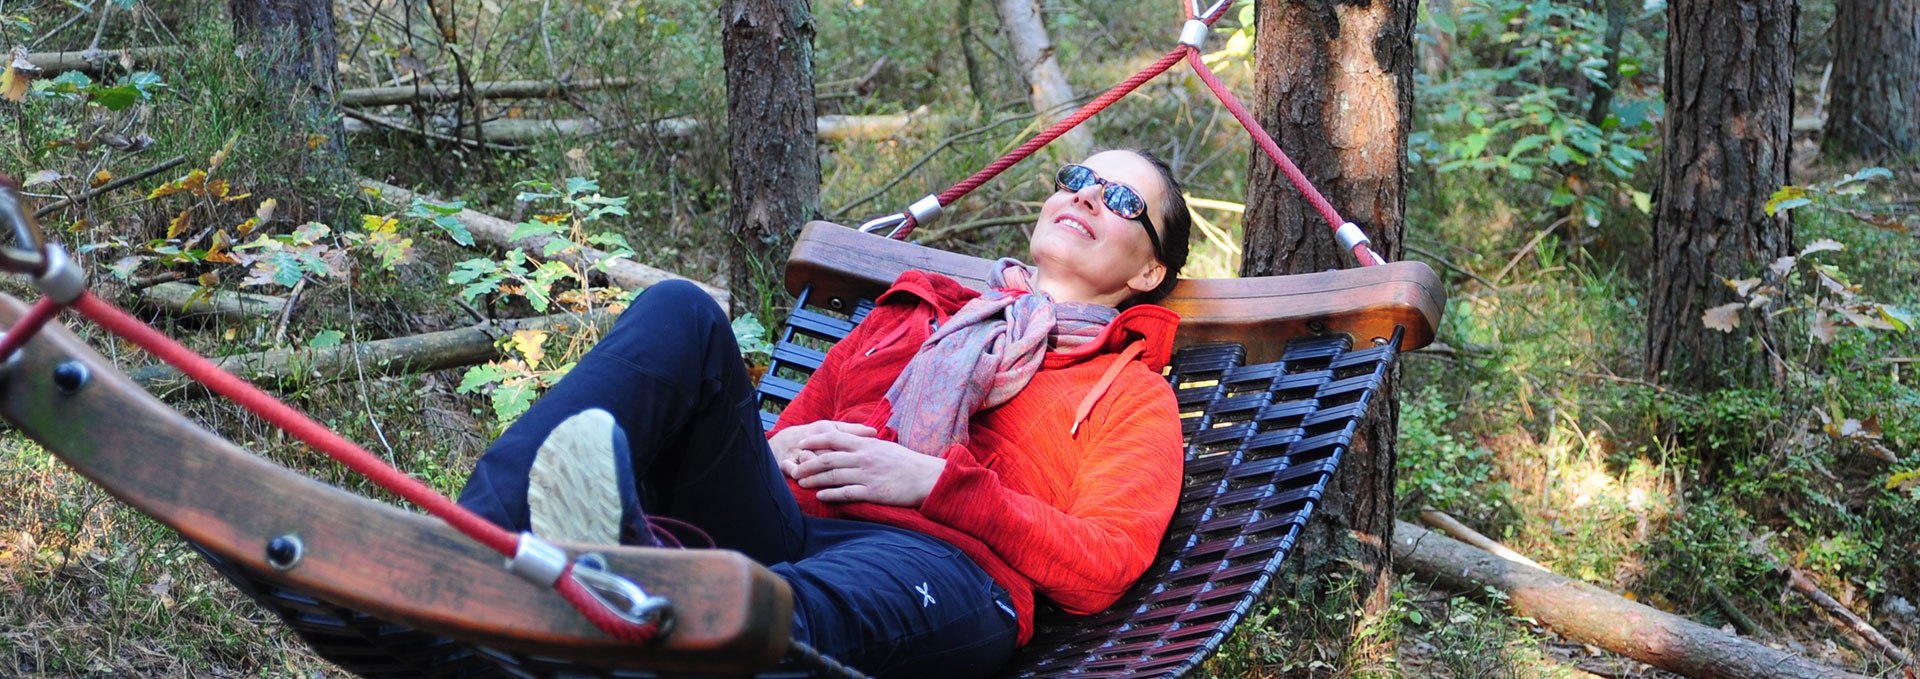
(885, 600)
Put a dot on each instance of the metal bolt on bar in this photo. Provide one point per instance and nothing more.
(538, 561)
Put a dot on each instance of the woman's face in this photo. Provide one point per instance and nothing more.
(1087, 253)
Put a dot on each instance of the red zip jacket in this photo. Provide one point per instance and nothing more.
(1074, 516)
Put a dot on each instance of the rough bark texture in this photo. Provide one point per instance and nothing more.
(297, 38)
(1335, 88)
(1729, 78)
(770, 139)
(1592, 615)
(1047, 87)
(1875, 107)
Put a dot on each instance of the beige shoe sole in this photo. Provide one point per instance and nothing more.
(573, 489)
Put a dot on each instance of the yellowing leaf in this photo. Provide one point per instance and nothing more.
(180, 223)
(208, 279)
(264, 213)
(531, 344)
(1781, 266)
(315, 140)
(18, 78)
(217, 188)
(378, 224)
(1723, 318)
(165, 190)
(220, 157)
(194, 181)
(1822, 245)
(100, 178)
(1908, 481)
(1743, 286)
(246, 227)
(235, 198)
(218, 252)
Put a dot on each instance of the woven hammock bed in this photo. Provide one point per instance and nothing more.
(1272, 375)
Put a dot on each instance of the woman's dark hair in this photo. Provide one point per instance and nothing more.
(1176, 227)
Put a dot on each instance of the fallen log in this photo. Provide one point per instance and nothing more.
(456, 348)
(624, 273)
(188, 299)
(1588, 614)
(831, 128)
(501, 89)
(93, 62)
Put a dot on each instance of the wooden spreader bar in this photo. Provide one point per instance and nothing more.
(731, 615)
(844, 265)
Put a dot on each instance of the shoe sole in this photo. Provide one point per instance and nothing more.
(573, 488)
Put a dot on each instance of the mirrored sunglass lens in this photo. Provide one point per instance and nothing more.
(1075, 177)
(1124, 202)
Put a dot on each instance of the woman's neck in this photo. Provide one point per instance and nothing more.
(1069, 290)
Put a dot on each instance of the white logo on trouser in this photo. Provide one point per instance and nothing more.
(926, 595)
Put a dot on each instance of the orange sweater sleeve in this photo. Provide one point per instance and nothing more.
(1084, 553)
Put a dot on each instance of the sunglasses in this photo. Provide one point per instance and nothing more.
(1119, 198)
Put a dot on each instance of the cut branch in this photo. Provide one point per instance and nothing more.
(622, 272)
(187, 299)
(399, 356)
(503, 89)
(832, 128)
(1588, 614)
(1459, 531)
(95, 61)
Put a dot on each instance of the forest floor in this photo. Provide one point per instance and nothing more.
(1533, 422)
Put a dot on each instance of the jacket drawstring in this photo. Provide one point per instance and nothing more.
(1081, 413)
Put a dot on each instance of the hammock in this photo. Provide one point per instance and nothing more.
(1272, 376)
(381, 591)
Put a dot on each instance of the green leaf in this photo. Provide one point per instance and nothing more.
(510, 401)
(1900, 319)
(118, 98)
(479, 376)
(429, 209)
(1644, 201)
(455, 230)
(579, 185)
(531, 228)
(1787, 198)
(751, 335)
(326, 338)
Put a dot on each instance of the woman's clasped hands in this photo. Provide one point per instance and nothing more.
(844, 462)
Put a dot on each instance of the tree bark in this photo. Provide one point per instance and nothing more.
(188, 299)
(296, 37)
(1729, 75)
(1047, 87)
(1875, 108)
(1335, 87)
(768, 46)
(1588, 614)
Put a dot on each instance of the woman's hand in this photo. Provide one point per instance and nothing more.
(846, 467)
(786, 442)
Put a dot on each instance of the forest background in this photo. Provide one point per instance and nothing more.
(1533, 420)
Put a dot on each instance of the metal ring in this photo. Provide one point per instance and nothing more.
(1194, 33)
(925, 210)
(62, 281)
(26, 254)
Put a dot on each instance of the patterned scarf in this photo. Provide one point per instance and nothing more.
(984, 355)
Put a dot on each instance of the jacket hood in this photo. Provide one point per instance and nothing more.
(1151, 325)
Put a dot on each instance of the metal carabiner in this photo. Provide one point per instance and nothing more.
(1202, 15)
(26, 254)
(897, 220)
(621, 596)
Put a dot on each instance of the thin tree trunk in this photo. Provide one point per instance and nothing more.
(1729, 74)
(1876, 78)
(770, 139)
(1047, 87)
(1619, 12)
(1335, 87)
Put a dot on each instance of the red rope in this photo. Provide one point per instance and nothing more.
(29, 325)
(1126, 87)
(346, 452)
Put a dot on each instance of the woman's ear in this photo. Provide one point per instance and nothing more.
(1149, 277)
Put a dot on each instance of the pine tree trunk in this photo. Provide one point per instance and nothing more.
(297, 39)
(1875, 107)
(1335, 87)
(770, 140)
(1729, 77)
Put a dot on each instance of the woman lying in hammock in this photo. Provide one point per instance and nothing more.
(956, 456)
